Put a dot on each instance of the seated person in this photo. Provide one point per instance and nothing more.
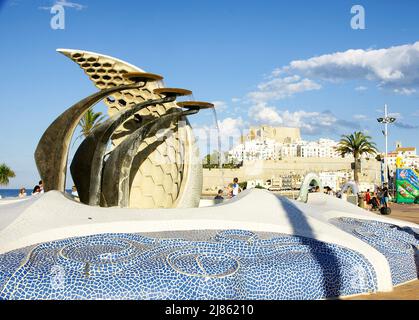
(375, 204)
(36, 190)
(74, 193)
(22, 193)
(219, 195)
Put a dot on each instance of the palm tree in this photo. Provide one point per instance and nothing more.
(5, 174)
(90, 121)
(356, 144)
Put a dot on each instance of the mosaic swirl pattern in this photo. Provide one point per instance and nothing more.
(229, 264)
(399, 245)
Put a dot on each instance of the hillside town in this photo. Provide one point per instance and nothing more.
(277, 158)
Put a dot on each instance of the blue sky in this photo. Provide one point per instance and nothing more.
(291, 63)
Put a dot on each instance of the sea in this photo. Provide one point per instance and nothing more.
(13, 193)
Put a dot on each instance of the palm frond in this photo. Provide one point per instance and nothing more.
(90, 121)
(5, 174)
(356, 144)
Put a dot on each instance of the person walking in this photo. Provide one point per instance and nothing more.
(385, 195)
(380, 196)
(368, 198)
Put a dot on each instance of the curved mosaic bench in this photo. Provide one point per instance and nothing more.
(229, 264)
(399, 245)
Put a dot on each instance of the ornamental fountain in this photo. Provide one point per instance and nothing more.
(139, 232)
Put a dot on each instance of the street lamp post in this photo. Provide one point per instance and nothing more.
(386, 120)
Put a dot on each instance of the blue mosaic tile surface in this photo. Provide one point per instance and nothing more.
(399, 245)
(229, 264)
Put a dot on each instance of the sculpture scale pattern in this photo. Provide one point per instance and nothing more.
(158, 181)
(87, 164)
(116, 183)
(399, 245)
(228, 264)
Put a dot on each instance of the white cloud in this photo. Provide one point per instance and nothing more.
(405, 91)
(311, 123)
(361, 88)
(219, 105)
(235, 100)
(282, 87)
(396, 67)
(263, 114)
(396, 115)
(231, 127)
(65, 4)
(360, 117)
(277, 72)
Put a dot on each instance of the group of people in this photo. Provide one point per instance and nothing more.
(233, 189)
(39, 188)
(373, 200)
(326, 190)
(377, 199)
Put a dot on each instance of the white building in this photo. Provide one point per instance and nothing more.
(323, 148)
(269, 149)
(407, 155)
(288, 150)
(266, 149)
